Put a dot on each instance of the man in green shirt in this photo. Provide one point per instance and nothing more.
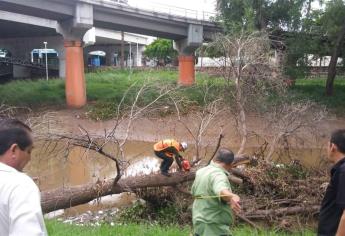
(211, 189)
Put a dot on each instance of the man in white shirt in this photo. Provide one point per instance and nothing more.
(20, 207)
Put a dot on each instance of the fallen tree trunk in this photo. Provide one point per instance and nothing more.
(66, 197)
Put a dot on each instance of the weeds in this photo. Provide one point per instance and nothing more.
(165, 214)
(105, 90)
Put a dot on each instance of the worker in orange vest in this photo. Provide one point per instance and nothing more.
(167, 149)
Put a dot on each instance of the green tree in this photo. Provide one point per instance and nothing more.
(261, 14)
(326, 29)
(302, 29)
(162, 51)
(281, 18)
(235, 15)
(333, 26)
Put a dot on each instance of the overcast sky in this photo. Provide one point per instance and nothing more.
(198, 5)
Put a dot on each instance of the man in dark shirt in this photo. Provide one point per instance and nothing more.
(332, 214)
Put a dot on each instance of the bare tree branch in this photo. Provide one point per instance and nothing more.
(205, 114)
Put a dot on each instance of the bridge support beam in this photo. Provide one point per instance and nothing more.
(186, 70)
(73, 31)
(75, 79)
(186, 48)
(109, 56)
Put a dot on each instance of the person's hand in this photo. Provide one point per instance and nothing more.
(235, 203)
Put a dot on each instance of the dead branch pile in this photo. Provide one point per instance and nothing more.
(272, 191)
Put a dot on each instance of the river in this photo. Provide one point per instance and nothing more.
(53, 167)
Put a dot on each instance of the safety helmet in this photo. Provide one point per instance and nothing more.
(184, 145)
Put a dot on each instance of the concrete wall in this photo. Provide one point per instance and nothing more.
(21, 72)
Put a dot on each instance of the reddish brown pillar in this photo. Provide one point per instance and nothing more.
(186, 70)
(75, 81)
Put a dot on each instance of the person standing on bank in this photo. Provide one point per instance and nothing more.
(167, 149)
(20, 205)
(332, 212)
(212, 215)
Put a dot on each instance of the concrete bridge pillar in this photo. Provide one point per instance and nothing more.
(73, 31)
(58, 44)
(62, 63)
(186, 69)
(109, 56)
(137, 55)
(75, 79)
(186, 48)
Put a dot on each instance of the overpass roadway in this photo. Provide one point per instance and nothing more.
(71, 19)
(105, 14)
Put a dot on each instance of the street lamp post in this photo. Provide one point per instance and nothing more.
(130, 55)
(137, 53)
(45, 49)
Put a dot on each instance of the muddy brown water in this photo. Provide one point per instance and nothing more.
(52, 167)
(55, 168)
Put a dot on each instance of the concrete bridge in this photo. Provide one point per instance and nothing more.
(63, 23)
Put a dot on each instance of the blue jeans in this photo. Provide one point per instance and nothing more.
(167, 161)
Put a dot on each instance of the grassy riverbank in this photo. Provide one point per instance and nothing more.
(106, 88)
(314, 90)
(56, 228)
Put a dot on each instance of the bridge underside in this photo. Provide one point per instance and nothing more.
(10, 29)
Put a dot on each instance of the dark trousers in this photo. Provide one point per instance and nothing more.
(167, 161)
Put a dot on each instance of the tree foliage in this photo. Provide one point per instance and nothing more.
(260, 14)
(334, 26)
(161, 50)
(302, 29)
(333, 18)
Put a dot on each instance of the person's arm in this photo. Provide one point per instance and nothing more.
(340, 201)
(178, 157)
(341, 227)
(221, 187)
(25, 210)
(232, 199)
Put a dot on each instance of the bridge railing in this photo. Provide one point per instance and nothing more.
(52, 65)
(174, 11)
